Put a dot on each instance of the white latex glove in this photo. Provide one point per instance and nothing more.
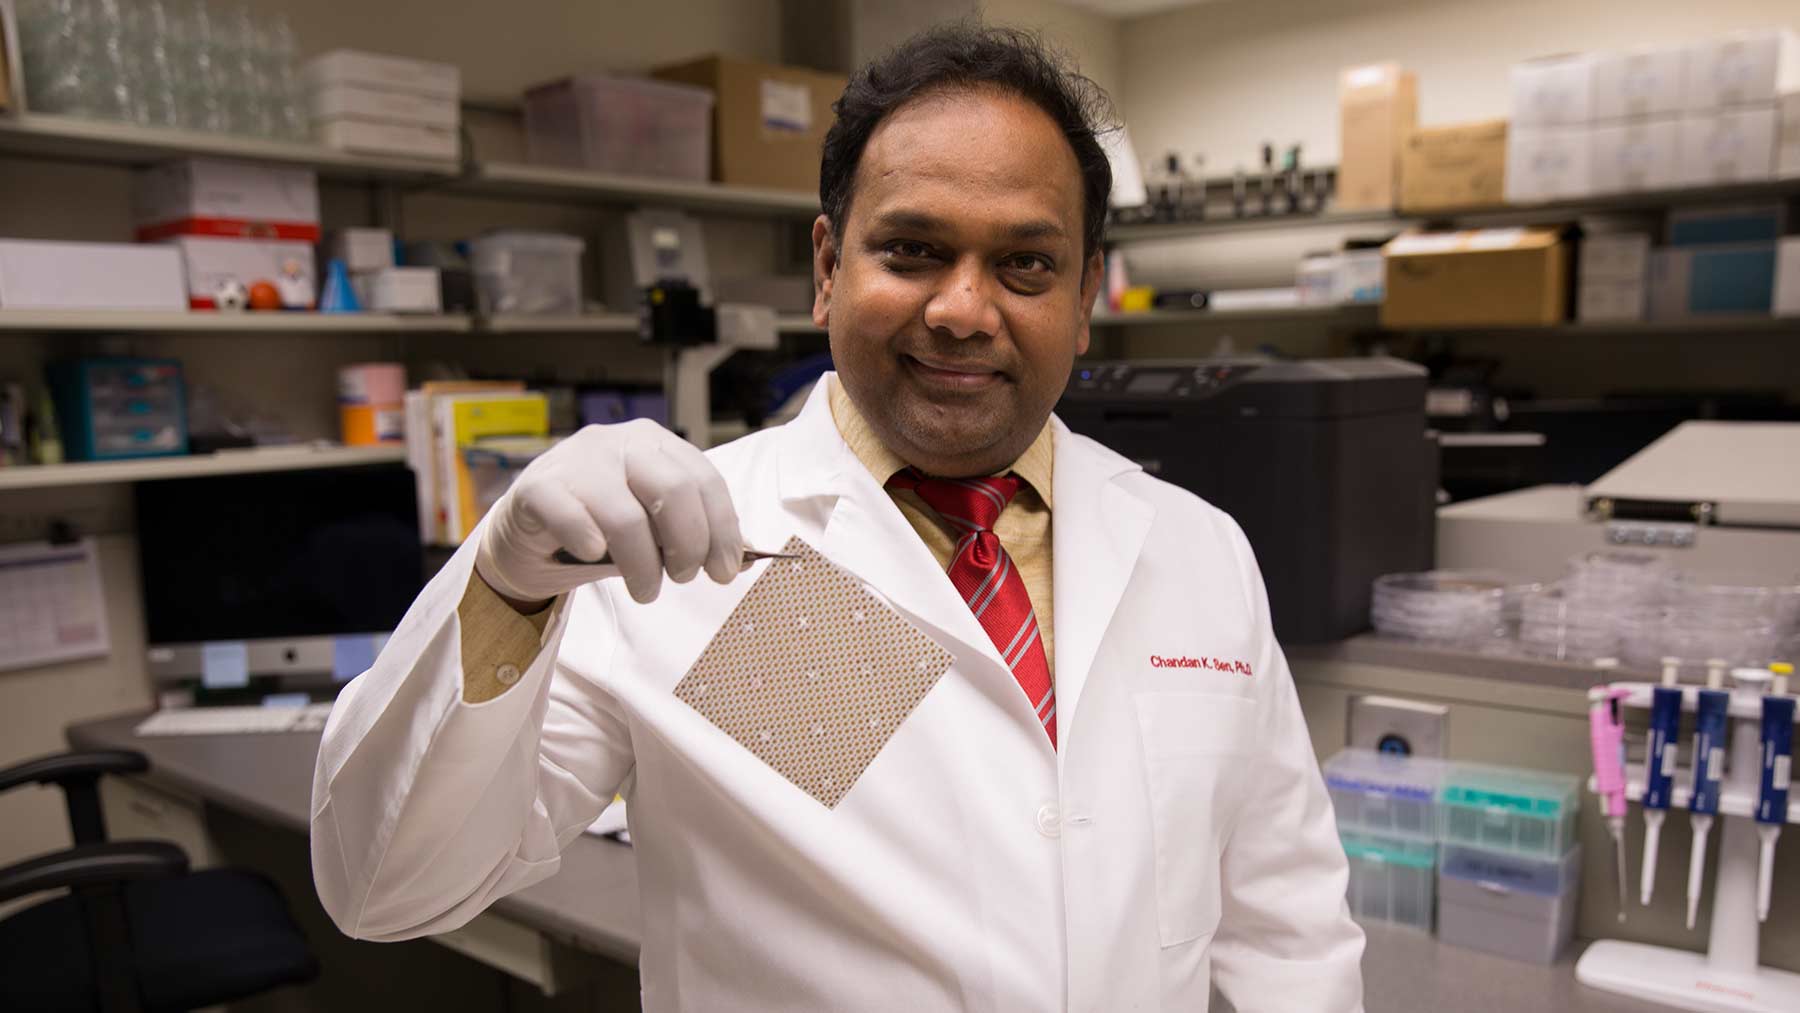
(634, 490)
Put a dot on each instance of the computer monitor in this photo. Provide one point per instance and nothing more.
(298, 575)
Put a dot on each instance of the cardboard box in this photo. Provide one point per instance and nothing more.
(1787, 137)
(1742, 68)
(1787, 278)
(387, 138)
(1728, 146)
(1620, 256)
(1483, 277)
(1635, 155)
(1729, 279)
(207, 197)
(768, 120)
(339, 101)
(1461, 166)
(211, 262)
(1554, 91)
(1548, 163)
(1640, 82)
(1611, 301)
(373, 70)
(38, 275)
(405, 290)
(1378, 107)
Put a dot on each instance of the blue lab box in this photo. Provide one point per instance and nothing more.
(1729, 279)
(119, 408)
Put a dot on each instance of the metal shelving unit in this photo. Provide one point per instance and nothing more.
(227, 462)
(1349, 315)
(507, 179)
(207, 321)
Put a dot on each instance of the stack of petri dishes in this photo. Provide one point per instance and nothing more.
(1579, 618)
(1466, 609)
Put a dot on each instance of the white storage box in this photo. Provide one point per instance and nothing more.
(36, 275)
(1611, 301)
(1554, 90)
(631, 126)
(405, 290)
(1503, 904)
(373, 70)
(1742, 68)
(1787, 137)
(527, 272)
(1729, 146)
(1637, 155)
(378, 138)
(1616, 256)
(1391, 878)
(200, 196)
(341, 101)
(1548, 163)
(363, 249)
(210, 262)
(1383, 793)
(1640, 82)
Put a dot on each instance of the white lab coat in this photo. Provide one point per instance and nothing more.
(1181, 835)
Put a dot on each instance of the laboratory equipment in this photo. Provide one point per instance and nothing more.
(1709, 762)
(1268, 178)
(1385, 793)
(1606, 733)
(114, 408)
(1512, 905)
(1392, 877)
(633, 126)
(1450, 607)
(527, 273)
(1528, 812)
(1726, 978)
(1350, 432)
(280, 579)
(1660, 755)
(1777, 762)
(751, 556)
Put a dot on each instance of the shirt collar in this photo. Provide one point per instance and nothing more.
(1034, 466)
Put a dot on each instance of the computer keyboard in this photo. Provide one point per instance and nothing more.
(235, 720)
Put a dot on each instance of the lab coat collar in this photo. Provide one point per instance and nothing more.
(1098, 532)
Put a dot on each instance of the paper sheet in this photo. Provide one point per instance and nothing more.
(51, 605)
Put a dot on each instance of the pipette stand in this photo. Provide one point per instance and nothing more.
(1726, 978)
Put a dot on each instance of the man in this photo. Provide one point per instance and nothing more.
(1063, 821)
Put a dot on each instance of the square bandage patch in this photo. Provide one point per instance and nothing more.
(812, 673)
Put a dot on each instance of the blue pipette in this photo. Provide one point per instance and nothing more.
(1659, 769)
(1777, 759)
(1709, 766)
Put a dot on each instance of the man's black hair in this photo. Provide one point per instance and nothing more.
(964, 55)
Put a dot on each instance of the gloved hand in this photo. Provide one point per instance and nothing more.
(634, 490)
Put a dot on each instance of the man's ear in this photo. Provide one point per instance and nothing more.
(825, 261)
(1092, 276)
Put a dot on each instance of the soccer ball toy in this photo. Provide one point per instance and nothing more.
(231, 295)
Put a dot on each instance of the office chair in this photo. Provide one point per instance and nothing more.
(136, 932)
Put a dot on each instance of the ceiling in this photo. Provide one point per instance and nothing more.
(1132, 8)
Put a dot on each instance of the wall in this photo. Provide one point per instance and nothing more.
(1092, 40)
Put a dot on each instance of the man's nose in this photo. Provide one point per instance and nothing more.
(963, 305)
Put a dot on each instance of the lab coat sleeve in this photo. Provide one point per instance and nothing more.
(426, 806)
(1285, 942)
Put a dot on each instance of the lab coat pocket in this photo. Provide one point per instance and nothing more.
(1191, 745)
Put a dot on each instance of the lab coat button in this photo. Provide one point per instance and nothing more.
(1049, 821)
(507, 674)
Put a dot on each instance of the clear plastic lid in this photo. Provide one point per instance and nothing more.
(1376, 773)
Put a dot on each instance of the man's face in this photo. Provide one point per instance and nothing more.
(958, 297)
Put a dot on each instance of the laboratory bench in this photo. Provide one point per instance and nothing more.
(591, 905)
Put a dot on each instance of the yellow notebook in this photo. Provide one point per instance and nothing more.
(464, 419)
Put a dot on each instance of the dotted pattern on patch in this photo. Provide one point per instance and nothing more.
(812, 673)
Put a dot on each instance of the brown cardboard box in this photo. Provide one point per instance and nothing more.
(768, 122)
(1483, 277)
(1378, 106)
(1462, 166)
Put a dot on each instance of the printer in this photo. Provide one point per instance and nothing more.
(1326, 464)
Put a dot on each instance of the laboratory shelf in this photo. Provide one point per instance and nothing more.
(45, 135)
(797, 323)
(225, 462)
(1142, 231)
(209, 321)
(1633, 328)
(510, 179)
(1353, 315)
(589, 323)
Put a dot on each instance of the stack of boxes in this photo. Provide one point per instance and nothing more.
(380, 285)
(1613, 274)
(384, 105)
(1654, 119)
(235, 225)
(1488, 854)
(1718, 262)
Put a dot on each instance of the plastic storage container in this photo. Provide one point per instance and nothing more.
(1391, 877)
(1527, 812)
(1385, 793)
(1517, 907)
(626, 125)
(527, 272)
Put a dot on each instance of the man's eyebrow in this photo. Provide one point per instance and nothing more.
(921, 221)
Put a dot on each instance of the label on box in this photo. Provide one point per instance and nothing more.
(786, 106)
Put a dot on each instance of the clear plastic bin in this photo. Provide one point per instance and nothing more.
(527, 272)
(1392, 878)
(627, 125)
(1528, 812)
(1511, 905)
(1385, 793)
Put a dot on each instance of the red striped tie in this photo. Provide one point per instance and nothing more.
(985, 576)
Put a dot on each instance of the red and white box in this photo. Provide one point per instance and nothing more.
(212, 261)
(207, 197)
